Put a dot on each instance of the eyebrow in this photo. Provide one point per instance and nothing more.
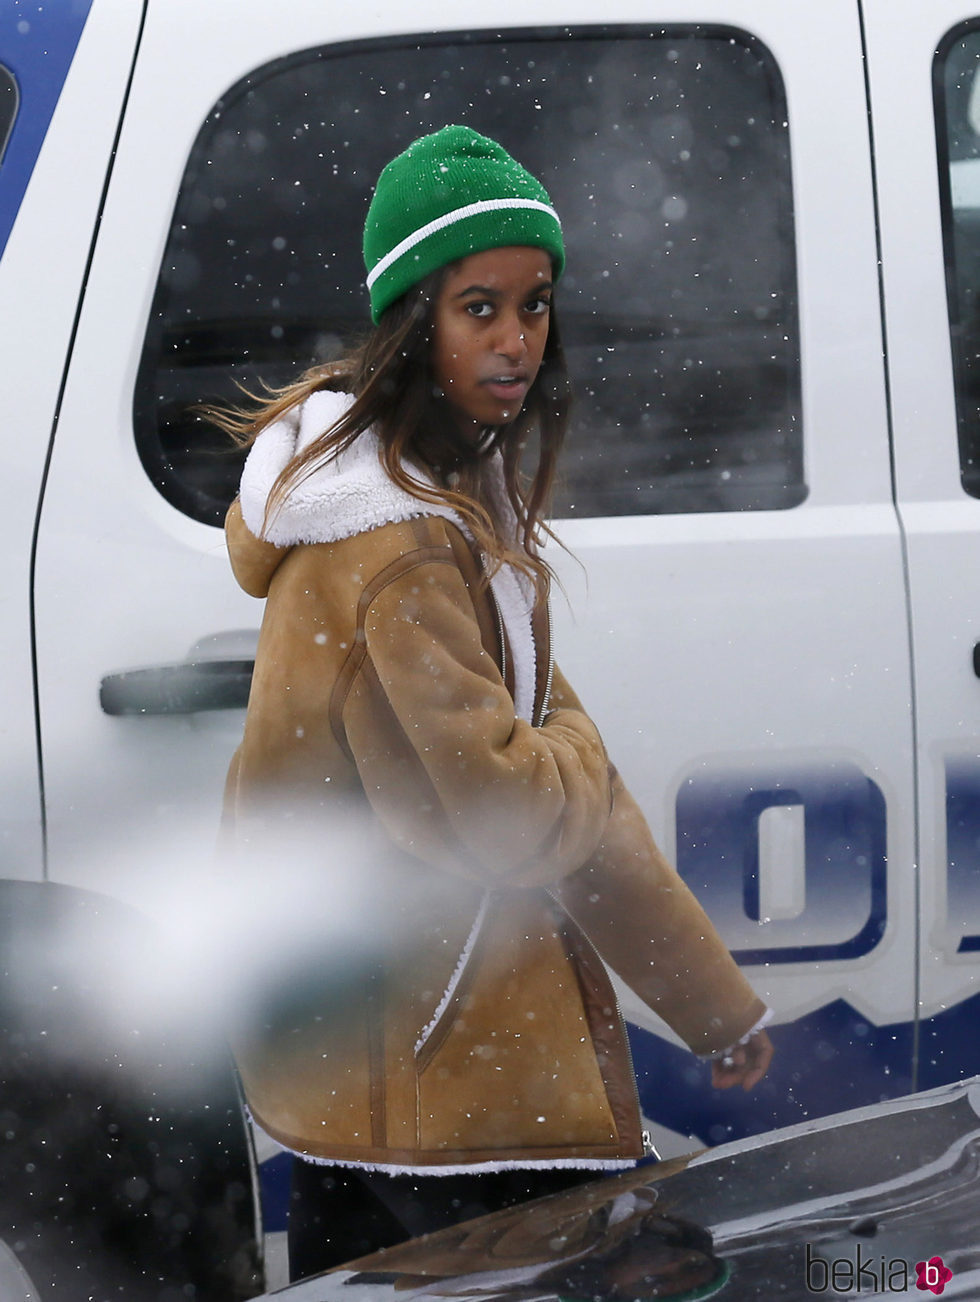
(540, 288)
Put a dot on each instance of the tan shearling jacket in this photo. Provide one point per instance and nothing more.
(408, 741)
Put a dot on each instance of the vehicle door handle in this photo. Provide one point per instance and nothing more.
(186, 688)
(976, 659)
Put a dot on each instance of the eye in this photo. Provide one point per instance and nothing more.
(538, 306)
(479, 308)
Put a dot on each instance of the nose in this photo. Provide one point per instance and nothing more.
(511, 342)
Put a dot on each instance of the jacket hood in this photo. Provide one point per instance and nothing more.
(348, 494)
(345, 495)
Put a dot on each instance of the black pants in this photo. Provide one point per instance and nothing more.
(339, 1213)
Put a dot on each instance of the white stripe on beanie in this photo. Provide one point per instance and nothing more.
(450, 219)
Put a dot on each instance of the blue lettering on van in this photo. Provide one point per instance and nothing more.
(963, 849)
(37, 45)
(843, 865)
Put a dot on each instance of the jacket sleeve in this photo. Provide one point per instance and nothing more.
(455, 777)
(649, 928)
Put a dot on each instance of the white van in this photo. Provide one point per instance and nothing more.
(772, 492)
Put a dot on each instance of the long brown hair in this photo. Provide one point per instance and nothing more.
(389, 375)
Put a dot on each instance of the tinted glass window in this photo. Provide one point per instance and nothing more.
(666, 153)
(9, 100)
(957, 86)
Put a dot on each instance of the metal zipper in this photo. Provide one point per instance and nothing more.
(549, 680)
(500, 633)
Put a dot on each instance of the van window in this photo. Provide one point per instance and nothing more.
(666, 152)
(957, 94)
(9, 99)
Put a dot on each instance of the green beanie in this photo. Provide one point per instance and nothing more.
(448, 195)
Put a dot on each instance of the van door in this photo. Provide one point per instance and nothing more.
(756, 689)
(926, 104)
(742, 639)
(57, 69)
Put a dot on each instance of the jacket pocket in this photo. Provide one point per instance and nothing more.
(441, 1022)
(510, 1066)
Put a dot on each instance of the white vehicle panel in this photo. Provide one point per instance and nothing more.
(41, 273)
(941, 522)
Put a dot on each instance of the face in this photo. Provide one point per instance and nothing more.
(491, 325)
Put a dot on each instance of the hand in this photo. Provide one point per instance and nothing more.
(744, 1065)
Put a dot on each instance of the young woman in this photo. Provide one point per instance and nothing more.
(411, 743)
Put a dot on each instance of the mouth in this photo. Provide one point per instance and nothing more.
(508, 384)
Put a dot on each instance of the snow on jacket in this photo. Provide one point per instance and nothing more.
(470, 833)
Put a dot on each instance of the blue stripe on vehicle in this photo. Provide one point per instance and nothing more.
(275, 1176)
(830, 1060)
(38, 40)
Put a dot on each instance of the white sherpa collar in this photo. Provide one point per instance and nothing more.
(351, 493)
(344, 496)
